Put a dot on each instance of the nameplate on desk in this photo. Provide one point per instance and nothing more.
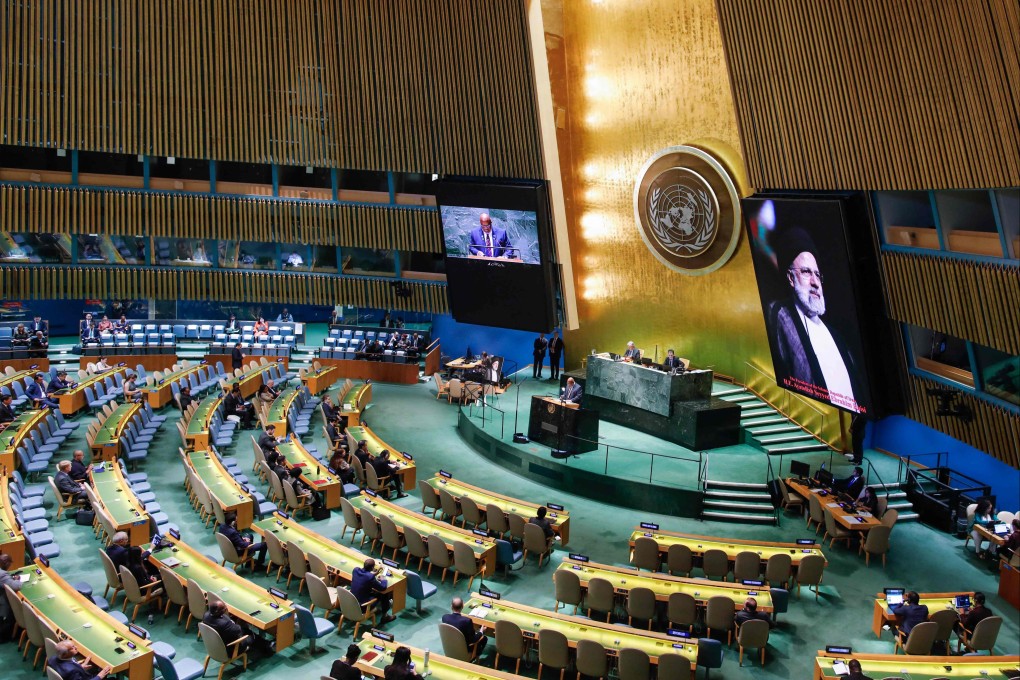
(390, 563)
(805, 541)
(751, 582)
(407, 455)
(553, 506)
(479, 532)
(673, 632)
(381, 635)
(140, 632)
(485, 592)
(649, 525)
(835, 649)
(35, 366)
(283, 514)
(578, 557)
(43, 561)
(279, 594)
(371, 493)
(175, 534)
(122, 364)
(445, 474)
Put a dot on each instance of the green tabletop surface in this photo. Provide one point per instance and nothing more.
(171, 377)
(352, 401)
(223, 487)
(699, 544)
(112, 489)
(377, 654)
(92, 380)
(425, 526)
(109, 431)
(280, 406)
(199, 422)
(360, 433)
(18, 429)
(236, 591)
(483, 498)
(6, 380)
(908, 669)
(315, 473)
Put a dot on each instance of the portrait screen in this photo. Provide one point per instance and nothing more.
(500, 262)
(803, 265)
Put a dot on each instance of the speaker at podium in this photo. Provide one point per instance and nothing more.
(566, 428)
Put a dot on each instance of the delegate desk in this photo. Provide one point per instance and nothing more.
(322, 379)
(731, 546)
(73, 399)
(398, 462)
(151, 357)
(126, 512)
(862, 521)
(352, 399)
(160, 395)
(381, 370)
(245, 601)
(96, 634)
(106, 445)
(8, 380)
(277, 413)
(559, 518)
(918, 667)
(484, 612)
(462, 365)
(664, 585)
(934, 601)
(339, 559)
(314, 473)
(197, 434)
(32, 364)
(377, 653)
(16, 432)
(251, 381)
(485, 548)
(222, 487)
(12, 541)
(990, 535)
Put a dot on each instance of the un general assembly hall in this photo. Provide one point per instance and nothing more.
(499, 339)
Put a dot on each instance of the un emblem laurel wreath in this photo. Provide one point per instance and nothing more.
(704, 237)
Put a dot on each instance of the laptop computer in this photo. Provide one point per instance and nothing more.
(894, 596)
(963, 601)
(1001, 529)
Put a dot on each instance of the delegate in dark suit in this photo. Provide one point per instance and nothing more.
(241, 543)
(493, 244)
(572, 393)
(366, 586)
(69, 669)
(236, 359)
(555, 353)
(6, 412)
(341, 670)
(467, 627)
(229, 630)
(854, 484)
(909, 615)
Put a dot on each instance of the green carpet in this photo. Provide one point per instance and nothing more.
(410, 418)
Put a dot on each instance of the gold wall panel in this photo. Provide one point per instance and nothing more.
(69, 283)
(876, 94)
(441, 86)
(976, 301)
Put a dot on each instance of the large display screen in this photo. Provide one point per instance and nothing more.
(803, 265)
(499, 254)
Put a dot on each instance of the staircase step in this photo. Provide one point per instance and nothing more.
(734, 505)
(893, 485)
(900, 505)
(746, 397)
(895, 495)
(729, 391)
(755, 408)
(738, 517)
(738, 495)
(739, 486)
(783, 448)
(798, 436)
(758, 419)
(774, 429)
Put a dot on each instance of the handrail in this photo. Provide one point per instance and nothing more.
(769, 476)
(905, 462)
(871, 469)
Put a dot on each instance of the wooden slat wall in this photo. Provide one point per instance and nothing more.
(69, 210)
(63, 283)
(993, 430)
(974, 301)
(876, 94)
(433, 86)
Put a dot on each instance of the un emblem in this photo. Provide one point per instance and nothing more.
(687, 210)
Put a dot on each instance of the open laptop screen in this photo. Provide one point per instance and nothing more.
(894, 596)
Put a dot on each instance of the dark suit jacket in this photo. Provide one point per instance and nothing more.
(225, 626)
(365, 585)
(66, 484)
(186, 400)
(43, 326)
(669, 363)
(341, 671)
(555, 346)
(118, 554)
(500, 241)
(6, 413)
(540, 346)
(853, 487)
(328, 412)
(235, 538)
(69, 670)
(743, 616)
(975, 616)
(236, 358)
(464, 625)
(545, 524)
(573, 394)
(912, 614)
(400, 673)
(79, 471)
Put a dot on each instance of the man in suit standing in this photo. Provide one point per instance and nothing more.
(572, 393)
(672, 361)
(555, 352)
(236, 357)
(464, 624)
(6, 409)
(539, 355)
(489, 241)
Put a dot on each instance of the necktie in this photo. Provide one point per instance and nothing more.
(488, 243)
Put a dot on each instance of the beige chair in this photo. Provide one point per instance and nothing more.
(351, 519)
(391, 537)
(535, 542)
(682, 610)
(277, 554)
(1005, 516)
(875, 543)
(296, 504)
(553, 651)
(746, 566)
(496, 520)
(716, 564)
(516, 524)
(139, 595)
(416, 547)
(112, 577)
(634, 664)
(971, 509)
(983, 637)
(679, 560)
(323, 596)
(466, 562)
(375, 483)
(947, 619)
(601, 597)
(18, 609)
(370, 529)
(354, 611)
(454, 644)
(919, 641)
(442, 389)
(298, 564)
(809, 573)
(359, 472)
(816, 514)
(429, 497)
(230, 554)
(472, 513)
(591, 659)
(455, 391)
(641, 606)
(439, 556)
(890, 517)
(568, 588)
(755, 635)
(64, 501)
(197, 604)
(36, 637)
(174, 591)
(672, 665)
(451, 510)
(835, 532)
(645, 554)
(510, 643)
(317, 566)
(778, 570)
(881, 505)
(217, 650)
(719, 616)
(790, 501)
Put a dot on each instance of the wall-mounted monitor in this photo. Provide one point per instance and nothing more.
(500, 260)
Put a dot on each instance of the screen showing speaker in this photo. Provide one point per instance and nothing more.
(814, 309)
(497, 241)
